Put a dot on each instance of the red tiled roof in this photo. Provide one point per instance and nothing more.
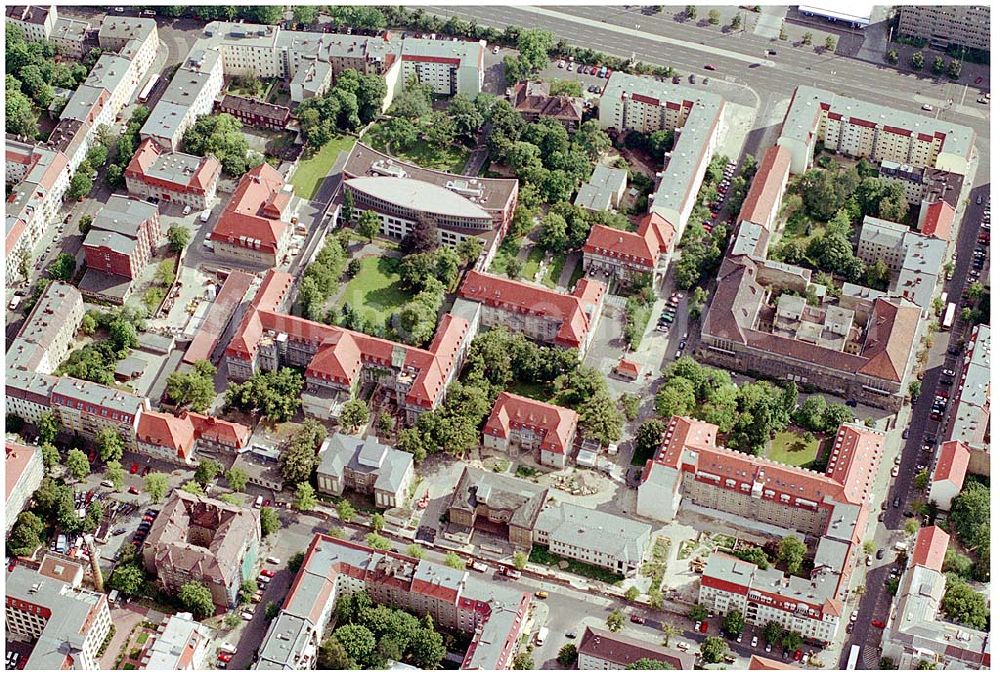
(766, 188)
(556, 424)
(938, 220)
(765, 664)
(932, 543)
(952, 463)
(251, 211)
(149, 151)
(627, 368)
(13, 235)
(624, 245)
(165, 430)
(16, 460)
(219, 430)
(273, 290)
(854, 460)
(536, 300)
(891, 333)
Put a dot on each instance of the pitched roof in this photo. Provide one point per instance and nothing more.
(254, 212)
(556, 424)
(623, 650)
(952, 462)
(931, 546)
(16, 460)
(521, 499)
(178, 169)
(938, 220)
(765, 664)
(537, 300)
(765, 189)
(534, 98)
(892, 330)
(218, 430)
(165, 430)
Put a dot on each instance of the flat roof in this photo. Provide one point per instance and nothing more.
(418, 195)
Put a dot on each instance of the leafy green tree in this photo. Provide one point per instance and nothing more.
(378, 522)
(79, 186)
(237, 479)
(77, 464)
(21, 117)
(305, 497)
(295, 561)
(110, 445)
(207, 472)
(519, 560)
(791, 552)
(377, 541)
(892, 56)
(831, 43)
(755, 555)
(415, 551)
(697, 612)
(616, 621)
(957, 563)
(732, 624)
(713, 17)
(63, 267)
(368, 225)
(691, 12)
(807, 38)
(196, 599)
(178, 237)
(305, 15)
(333, 657)
(276, 396)
(127, 579)
(220, 135)
(455, 561)
(737, 23)
(48, 427)
(964, 605)
(917, 61)
(470, 249)
(26, 536)
(156, 486)
(567, 655)
(192, 487)
(345, 511)
(247, 589)
(791, 641)
(646, 664)
(358, 642)
(632, 594)
(269, 521)
(954, 69)
(301, 456)
(50, 456)
(772, 632)
(713, 650)
(353, 415)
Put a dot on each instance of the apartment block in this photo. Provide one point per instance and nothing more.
(602, 650)
(947, 25)
(338, 361)
(604, 539)
(173, 177)
(46, 336)
(136, 39)
(67, 625)
(365, 466)
(763, 201)
(628, 255)
(501, 505)
(492, 614)
(831, 506)
(971, 420)
(915, 259)
(86, 407)
(254, 226)
(28, 395)
(313, 79)
(191, 93)
(403, 194)
(916, 634)
(205, 540)
(864, 130)
(69, 37)
(124, 235)
(604, 190)
(543, 315)
(950, 468)
(449, 67)
(177, 438)
(36, 22)
(24, 470)
(521, 423)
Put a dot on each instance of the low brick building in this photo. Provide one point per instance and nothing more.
(123, 237)
(498, 505)
(254, 113)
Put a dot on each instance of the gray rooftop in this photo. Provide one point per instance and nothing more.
(413, 194)
(126, 28)
(50, 315)
(115, 242)
(82, 103)
(124, 215)
(36, 386)
(595, 530)
(522, 498)
(98, 395)
(597, 193)
(168, 647)
(70, 29)
(460, 49)
(109, 72)
(369, 456)
(61, 636)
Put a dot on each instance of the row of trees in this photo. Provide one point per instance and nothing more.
(322, 276)
(96, 361)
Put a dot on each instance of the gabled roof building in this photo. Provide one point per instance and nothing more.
(366, 466)
(254, 226)
(531, 425)
(172, 177)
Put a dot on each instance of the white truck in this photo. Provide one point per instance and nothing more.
(543, 633)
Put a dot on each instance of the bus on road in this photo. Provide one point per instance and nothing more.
(148, 89)
(949, 317)
(852, 659)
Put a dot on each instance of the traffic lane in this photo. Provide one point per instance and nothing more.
(793, 66)
(253, 633)
(874, 605)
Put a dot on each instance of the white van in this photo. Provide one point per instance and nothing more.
(203, 217)
(543, 633)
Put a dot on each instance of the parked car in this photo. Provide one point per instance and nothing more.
(753, 642)
(636, 619)
(132, 490)
(709, 67)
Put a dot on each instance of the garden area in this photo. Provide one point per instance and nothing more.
(311, 171)
(374, 291)
(419, 151)
(542, 556)
(792, 447)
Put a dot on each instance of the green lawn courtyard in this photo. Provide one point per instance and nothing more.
(552, 273)
(789, 447)
(310, 173)
(375, 291)
(530, 269)
(451, 159)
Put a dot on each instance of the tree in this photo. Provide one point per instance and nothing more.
(305, 14)
(220, 135)
(62, 267)
(178, 237)
(26, 536)
(807, 38)
(519, 560)
(601, 419)
(892, 56)
(415, 551)
(427, 648)
(21, 117)
(79, 186)
(466, 116)
(378, 522)
(553, 233)
(122, 334)
(207, 472)
(237, 478)
(305, 497)
(713, 17)
(755, 555)
(358, 642)
(247, 589)
(441, 131)
(713, 650)
(831, 43)
(791, 641)
(691, 12)
(567, 655)
(917, 60)
(192, 487)
(377, 541)
(48, 427)
(470, 249)
(127, 579)
(869, 547)
(646, 664)
(592, 139)
(697, 612)
(737, 23)
(85, 223)
(110, 445)
(271, 610)
(156, 486)
(732, 624)
(772, 632)
(50, 455)
(632, 594)
(269, 521)
(648, 437)
(77, 464)
(455, 561)
(957, 563)
(921, 480)
(301, 456)
(369, 224)
(333, 657)
(295, 561)
(616, 621)
(964, 605)
(345, 511)
(353, 414)
(196, 599)
(791, 551)
(954, 69)
(937, 67)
